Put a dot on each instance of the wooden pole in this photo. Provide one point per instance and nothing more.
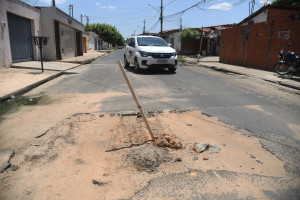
(136, 100)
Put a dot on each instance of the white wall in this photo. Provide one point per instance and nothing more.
(177, 40)
(261, 17)
(21, 9)
(93, 36)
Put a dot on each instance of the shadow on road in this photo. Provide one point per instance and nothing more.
(150, 71)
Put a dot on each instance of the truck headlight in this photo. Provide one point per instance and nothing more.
(174, 54)
(144, 53)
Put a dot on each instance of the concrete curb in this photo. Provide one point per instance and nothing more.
(30, 87)
(34, 85)
(253, 76)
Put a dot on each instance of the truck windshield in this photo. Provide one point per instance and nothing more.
(151, 41)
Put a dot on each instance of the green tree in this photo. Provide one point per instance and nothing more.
(286, 2)
(110, 33)
(189, 35)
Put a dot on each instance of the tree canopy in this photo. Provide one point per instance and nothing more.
(286, 2)
(189, 35)
(110, 33)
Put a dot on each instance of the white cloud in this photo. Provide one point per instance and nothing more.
(56, 1)
(108, 7)
(98, 4)
(221, 6)
(265, 1)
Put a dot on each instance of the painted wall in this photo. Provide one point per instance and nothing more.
(93, 40)
(21, 9)
(261, 17)
(48, 16)
(177, 41)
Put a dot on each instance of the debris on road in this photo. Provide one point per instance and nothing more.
(148, 158)
(200, 147)
(205, 158)
(166, 140)
(99, 183)
(5, 157)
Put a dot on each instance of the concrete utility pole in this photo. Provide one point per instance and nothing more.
(161, 17)
(144, 30)
(81, 18)
(53, 3)
(180, 24)
(71, 10)
(201, 42)
(87, 22)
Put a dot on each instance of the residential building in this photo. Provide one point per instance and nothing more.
(210, 34)
(257, 39)
(65, 34)
(18, 23)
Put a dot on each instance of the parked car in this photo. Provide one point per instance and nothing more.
(146, 52)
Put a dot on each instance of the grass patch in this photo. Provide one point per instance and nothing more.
(181, 59)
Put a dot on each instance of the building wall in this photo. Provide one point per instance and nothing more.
(177, 41)
(48, 16)
(261, 17)
(21, 9)
(93, 41)
(257, 44)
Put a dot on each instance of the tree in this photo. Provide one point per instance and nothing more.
(189, 35)
(110, 33)
(286, 2)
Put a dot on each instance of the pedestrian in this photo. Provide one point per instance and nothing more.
(214, 47)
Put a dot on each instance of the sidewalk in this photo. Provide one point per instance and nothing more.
(24, 76)
(213, 63)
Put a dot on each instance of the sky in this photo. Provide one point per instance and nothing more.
(128, 16)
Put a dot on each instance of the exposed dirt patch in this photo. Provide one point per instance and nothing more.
(73, 154)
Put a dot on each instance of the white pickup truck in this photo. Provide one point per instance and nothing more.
(150, 52)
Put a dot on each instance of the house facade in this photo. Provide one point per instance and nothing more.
(210, 35)
(257, 39)
(19, 22)
(65, 34)
(95, 41)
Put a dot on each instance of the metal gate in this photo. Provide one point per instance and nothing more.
(20, 38)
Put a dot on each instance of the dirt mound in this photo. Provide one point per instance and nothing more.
(148, 158)
(166, 140)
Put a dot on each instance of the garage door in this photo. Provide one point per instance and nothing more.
(67, 42)
(20, 38)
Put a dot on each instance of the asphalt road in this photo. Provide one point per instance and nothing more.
(234, 99)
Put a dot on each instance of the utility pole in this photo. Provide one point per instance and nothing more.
(134, 33)
(81, 18)
(144, 30)
(201, 42)
(180, 24)
(72, 11)
(87, 22)
(161, 17)
(53, 3)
